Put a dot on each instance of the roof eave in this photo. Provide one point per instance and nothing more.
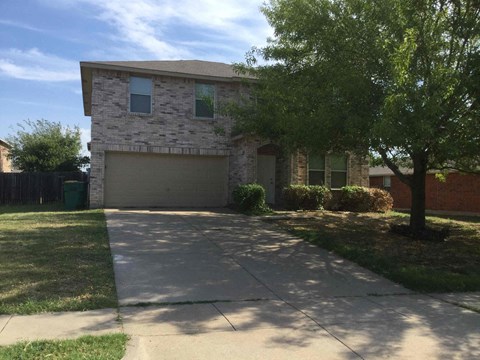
(86, 78)
(136, 70)
(5, 144)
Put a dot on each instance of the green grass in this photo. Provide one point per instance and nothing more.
(451, 266)
(106, 347)
(54, 260)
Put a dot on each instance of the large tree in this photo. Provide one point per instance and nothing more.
(45, 146)
(400, 78)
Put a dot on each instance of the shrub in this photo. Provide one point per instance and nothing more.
(363, 199)
(381, 200)
(306, 197)
(249, 198)
(355, 198)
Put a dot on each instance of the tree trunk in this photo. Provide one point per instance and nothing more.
(418, 182)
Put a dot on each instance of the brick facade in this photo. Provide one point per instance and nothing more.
(459, 193)
(172, 128)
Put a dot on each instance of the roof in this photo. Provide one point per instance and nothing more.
(379, 171)
(193, 69)
(5, 144)
(385, 171)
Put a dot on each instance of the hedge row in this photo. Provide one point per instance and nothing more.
(251, 198)
(363, 199)
(306, 197)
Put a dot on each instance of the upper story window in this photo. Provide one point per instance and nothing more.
(338, 165)
(204, 100)
(316, 170)
(140, 95)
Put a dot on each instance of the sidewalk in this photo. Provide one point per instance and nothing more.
(62, 325)
(399, 326)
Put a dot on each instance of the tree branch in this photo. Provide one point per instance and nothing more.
(392, 166)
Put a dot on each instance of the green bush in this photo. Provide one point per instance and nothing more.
(306, 197)
(249, 198)
(355, 198)
(363, 199)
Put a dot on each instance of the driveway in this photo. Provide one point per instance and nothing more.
(216, 285)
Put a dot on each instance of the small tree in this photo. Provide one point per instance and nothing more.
(46, 146)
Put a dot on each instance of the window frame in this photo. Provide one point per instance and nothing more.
(318, 170)
(339, 171)
(130, 93)
(195, 100)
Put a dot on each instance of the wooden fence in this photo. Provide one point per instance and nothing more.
(35, 188)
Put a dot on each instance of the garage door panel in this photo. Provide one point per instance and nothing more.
(141, 180)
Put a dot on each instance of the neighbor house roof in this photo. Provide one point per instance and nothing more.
(385, 171)
(194, 69)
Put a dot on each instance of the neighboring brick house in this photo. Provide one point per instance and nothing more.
(5, 163)
(158, 141)
(459, 193)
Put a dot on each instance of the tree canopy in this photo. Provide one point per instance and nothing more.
(45, 146)
(397, 77)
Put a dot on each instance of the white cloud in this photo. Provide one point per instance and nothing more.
(32, 64)
(20, 25)
(170, 29)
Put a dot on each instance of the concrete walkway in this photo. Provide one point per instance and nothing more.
(225, 286)
(61, 325)
(218, 285)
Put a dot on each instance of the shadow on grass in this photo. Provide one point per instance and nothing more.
(452, 265)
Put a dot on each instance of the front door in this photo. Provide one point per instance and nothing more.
(266, 176)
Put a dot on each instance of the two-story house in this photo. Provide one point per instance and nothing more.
(158, 141)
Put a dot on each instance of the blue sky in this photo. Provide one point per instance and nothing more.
(43, 41)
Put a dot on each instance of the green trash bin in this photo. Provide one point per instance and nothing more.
(75, 194)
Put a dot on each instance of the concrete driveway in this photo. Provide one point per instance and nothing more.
(217, 285)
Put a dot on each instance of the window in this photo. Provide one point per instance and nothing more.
(316, 170)
(140, 95)
(204, 100)
(338, 164)
(387, 182)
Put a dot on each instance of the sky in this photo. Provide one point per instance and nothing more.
(43, 41)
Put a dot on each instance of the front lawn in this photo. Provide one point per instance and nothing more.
(453, 265)
(54, 260)
(106, 347)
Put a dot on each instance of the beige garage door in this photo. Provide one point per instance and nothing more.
(148, 180)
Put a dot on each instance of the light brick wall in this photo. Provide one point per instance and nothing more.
(358, 170)
(171, 128)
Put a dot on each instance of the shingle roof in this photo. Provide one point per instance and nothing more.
(196, 69)
(175, 67)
